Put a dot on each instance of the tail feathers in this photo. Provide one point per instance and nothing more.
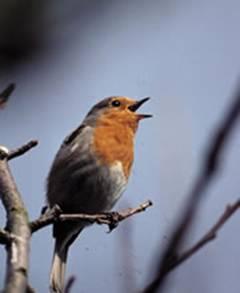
(64, 234)
(58, 268)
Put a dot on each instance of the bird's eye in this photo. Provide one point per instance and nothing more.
(116, 103)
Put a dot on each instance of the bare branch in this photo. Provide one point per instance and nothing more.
(47, 218)
(17, 225)
(5, 94)
(209, 170)
(111, 218)
(69, 284)
(22, 150)
(209, 236)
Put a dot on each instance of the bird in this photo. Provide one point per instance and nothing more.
(91, 170)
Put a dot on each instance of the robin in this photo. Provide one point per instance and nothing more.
(91, 170)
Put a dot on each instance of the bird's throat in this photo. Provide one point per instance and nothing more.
(112, 145)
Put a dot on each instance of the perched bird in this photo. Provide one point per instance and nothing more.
(91, 170)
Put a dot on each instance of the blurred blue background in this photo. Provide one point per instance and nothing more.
(185, 55)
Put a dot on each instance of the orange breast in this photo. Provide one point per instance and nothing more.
(114, 142)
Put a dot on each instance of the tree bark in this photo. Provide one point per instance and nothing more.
(18, 226)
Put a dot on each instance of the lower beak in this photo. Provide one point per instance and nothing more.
(134, 107)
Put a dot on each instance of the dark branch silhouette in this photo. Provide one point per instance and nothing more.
(209, 169)
(69, 284)
(209, 236)
(5, 94)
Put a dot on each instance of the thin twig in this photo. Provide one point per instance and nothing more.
(22, 150)
(209, 236)
(69, 284)
(111, 218)
(5, 94)
(187, 215)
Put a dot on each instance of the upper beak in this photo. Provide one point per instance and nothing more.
(137, 105)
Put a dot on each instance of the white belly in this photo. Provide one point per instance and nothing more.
(120, 182)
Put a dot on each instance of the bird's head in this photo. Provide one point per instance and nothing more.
(118, 109)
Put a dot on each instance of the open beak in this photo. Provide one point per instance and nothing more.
(134, 107)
